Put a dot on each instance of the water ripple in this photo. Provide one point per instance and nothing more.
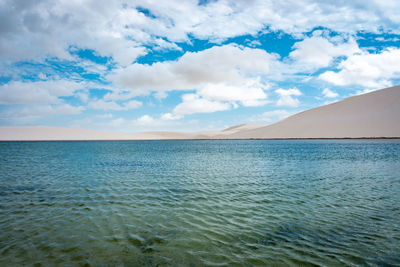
(200, 203)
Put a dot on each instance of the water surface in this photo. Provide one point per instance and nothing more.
(200, 203)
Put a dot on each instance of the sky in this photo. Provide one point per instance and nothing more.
(145, 65)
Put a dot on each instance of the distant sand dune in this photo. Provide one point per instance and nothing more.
(371, 115)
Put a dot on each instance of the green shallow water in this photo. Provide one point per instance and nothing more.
(200, 203)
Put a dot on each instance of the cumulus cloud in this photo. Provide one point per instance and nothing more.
(28, 114)
(29, 101)
(142, 123)
(18, 92)
(249, 95)
(118, 94)
(44, 110)
(192, 103)
(317, 51)
(170, 117)
(372, 70)
(161, 44)
(329, 94)
(110, 105)
(286, 99)
(221, 73)
(145, 120)
(97, 25)
(219, 64)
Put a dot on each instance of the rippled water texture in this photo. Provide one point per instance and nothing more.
(200, 203)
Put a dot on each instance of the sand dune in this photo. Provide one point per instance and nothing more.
(371, 115)
(375, 114)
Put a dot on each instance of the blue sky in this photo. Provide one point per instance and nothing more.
(134, 66)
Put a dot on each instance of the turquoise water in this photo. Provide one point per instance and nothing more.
(200, 203)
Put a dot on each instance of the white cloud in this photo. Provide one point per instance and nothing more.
(292, 91)
(387, 39)
(222, 19)
(253, 103)
(90, 67)
(104, 116)
(30, 101)
(17, 92)
(133, 104)
(219, 64)
(32, 113)
(117, 94)
(286, 99)
(115, 28)
(329, 94)
(83, 96)
(161, 44)
(170, 117)
(148, 122)
(372, 70)
(49, 28)
(104, 105)
(63, 109)
(254, 43)
(225, 73)
(251, 94)
(318, 52)
(194, 104)
(145, 120)
(110, 105)
(121, 50)
(140, 124)
(42, 76)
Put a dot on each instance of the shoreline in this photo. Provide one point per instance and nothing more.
(204, 139)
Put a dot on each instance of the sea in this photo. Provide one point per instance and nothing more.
(200, 203)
